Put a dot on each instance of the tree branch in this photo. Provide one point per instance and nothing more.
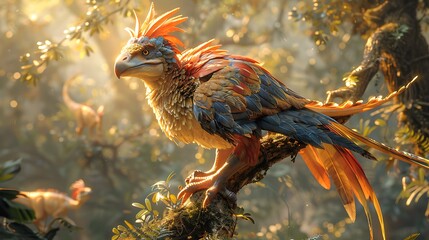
(398, 49)
(218, 219)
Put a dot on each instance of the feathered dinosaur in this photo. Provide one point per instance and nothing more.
(51, 203)
(218, 100)
(85, 115)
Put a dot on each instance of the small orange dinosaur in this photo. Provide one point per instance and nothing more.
(85, 115)
(51, 203)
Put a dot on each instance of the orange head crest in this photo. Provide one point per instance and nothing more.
(78, 189)
(161, 26)
(152, 49)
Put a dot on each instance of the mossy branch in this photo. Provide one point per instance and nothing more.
(218, 220)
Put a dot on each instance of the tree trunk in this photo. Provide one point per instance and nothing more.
(397, 48)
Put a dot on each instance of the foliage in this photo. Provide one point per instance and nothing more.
(413, 236)
(98, 14)
(327, 16)
(15, 212)
(150, 217)
(147, 218)
(9, 209)
(414, 188)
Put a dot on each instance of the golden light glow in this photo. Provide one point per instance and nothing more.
(33, 17)
(16, 75)
(153, 132)
(13, 104)
(9, 34)
(133, 85)
(112, 130)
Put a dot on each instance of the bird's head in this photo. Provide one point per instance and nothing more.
(151, 49)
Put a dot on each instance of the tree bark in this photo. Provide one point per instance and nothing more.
(397, 48)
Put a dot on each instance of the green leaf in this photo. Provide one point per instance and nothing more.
(380, 122)
(412, 236)
(16, 211)
(141, 213)
(170, 176)
(121, 228)
(422, 174)
(9, 169)
(9, 193)
(173, 198)
(148, 204)
(129, 225)
(138, 205)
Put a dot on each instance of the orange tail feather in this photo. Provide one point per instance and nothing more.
(315, 164)
(348, 177)
(349, 108)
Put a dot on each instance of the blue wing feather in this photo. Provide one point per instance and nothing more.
(245, 99)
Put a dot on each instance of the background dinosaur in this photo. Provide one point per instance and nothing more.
(86, 117)
(51, 203)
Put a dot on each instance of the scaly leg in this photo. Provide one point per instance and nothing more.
(220, 159)
(213, 183)
(245, 153)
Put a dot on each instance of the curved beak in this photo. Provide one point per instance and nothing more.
(134, 66)
(122, 64)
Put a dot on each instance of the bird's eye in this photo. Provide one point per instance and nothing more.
(145, 52)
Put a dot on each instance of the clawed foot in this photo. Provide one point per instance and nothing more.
(226, 165)
(214, 184)
(197, 176)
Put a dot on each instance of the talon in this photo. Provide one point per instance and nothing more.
(197, 176)
(195, 180)
(191, 176)
(194, 187)
(184, 196)
(216, 181)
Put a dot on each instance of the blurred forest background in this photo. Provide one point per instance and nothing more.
(309, 45)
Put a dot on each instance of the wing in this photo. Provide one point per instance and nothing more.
(235, 92)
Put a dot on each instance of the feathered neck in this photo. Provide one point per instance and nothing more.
(175, 83)
(172, 102)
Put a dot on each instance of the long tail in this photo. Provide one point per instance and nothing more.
(348, 177)
(401, 155)
(349, 108)
(71, 104)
